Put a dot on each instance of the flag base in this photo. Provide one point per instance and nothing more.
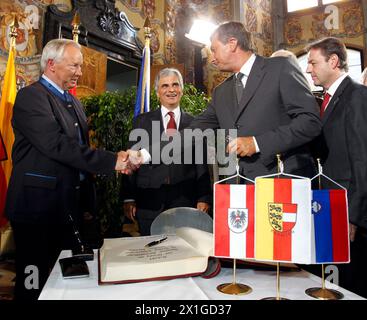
(324, 294)
(234, 288)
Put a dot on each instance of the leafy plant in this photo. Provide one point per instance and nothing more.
(110, 116)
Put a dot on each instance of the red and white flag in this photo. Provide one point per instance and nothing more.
(234, 223)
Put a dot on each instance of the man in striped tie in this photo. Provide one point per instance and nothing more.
(342, 146)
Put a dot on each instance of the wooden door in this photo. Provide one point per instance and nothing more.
(93, 80)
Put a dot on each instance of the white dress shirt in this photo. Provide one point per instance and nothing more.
(166, 117)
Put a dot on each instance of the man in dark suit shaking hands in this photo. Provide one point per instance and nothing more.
(52, 167)
(154, 188)
(342, 146)
(268, 101)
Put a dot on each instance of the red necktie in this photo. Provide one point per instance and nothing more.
(171, 125)
(324, 103)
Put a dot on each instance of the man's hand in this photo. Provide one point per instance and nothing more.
(352, 232)
(203, 206)
(135, 159)
(242, 146)
(122, 163)
(130, 209)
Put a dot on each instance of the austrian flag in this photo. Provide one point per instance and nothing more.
(234, 221)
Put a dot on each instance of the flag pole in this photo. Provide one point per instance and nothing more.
(75, 24)
(13, 32)
(279, 161)
(147, 35)
(278, 297)
(235, 288)
(323, 293)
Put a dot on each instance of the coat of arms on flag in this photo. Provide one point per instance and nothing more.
(234, 221)
(282, 216)
(238, 219)
(283, 219)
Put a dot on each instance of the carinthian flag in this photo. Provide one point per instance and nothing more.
(143, 93)
(234, 221)
(283, 220)
(330, 226)
(8, 94)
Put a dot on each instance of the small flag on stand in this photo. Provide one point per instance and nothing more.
(234, 221)
(142, 103)
(330, 226)
(283, 220)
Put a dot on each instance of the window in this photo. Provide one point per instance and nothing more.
(354, 63)
(296, 5)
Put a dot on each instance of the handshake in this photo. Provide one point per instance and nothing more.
(128, 161)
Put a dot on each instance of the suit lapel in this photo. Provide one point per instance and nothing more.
(157, 116)
(59, 111)
(184, 120)
(335, 99)
(256, 75)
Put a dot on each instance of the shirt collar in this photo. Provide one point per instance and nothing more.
(336, 84)
(246, 68)
(176, 111)
(53, 84)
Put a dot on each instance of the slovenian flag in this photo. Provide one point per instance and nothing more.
(283, 220)
(143, 94)
(234, 221)
(330, 226)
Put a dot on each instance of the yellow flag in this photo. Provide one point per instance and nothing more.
(8, 94)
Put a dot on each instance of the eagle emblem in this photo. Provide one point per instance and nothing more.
(237, 219)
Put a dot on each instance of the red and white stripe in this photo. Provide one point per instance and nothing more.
(228, 243)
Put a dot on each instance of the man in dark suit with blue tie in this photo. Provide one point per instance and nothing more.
(154, 188)
(52, 167)
(342, 147)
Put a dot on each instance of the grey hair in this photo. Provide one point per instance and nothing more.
(54, 50)
(168, 72)
(283, 53)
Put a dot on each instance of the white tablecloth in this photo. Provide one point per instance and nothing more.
(292, 286)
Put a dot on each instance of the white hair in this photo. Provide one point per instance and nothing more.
(283, 53)
(168, 72)
(54, 50)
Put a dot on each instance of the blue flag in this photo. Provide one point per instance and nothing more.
(330, 224)
(143, 94)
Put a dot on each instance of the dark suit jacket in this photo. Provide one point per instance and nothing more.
(193, 180)
(277, 107)
(47, 158)
(342, 146)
